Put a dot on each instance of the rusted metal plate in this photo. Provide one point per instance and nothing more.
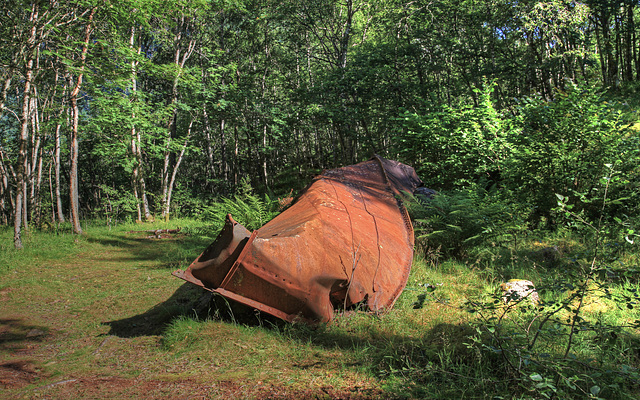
(347, 239)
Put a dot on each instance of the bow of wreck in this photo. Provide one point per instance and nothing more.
(347, 239)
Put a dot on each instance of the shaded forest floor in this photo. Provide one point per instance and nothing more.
(100, 316)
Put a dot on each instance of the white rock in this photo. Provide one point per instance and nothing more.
(518, 289)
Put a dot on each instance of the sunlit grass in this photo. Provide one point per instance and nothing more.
(106, 305)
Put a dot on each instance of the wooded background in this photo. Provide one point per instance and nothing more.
(142, 108)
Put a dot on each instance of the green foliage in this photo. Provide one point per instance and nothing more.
(543, 149)
(561, 147)
(568, 345)
(454, 222)
(117, 204)
(556, 348)
(245, 207)
(451, 147)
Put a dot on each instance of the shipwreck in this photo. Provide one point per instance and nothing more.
(346, 240)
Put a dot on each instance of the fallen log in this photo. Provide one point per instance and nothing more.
(158, 232)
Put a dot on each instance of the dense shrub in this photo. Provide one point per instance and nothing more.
(543, 149)
(564, 146)
(451, 147)
(453, 222)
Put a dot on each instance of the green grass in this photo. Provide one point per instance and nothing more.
(100, 316)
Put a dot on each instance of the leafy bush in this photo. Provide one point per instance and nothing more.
(454, 222)
(117, 204)
(561, 147)
(567, 345)
(245, 207)
(542, 149)
(451, 147)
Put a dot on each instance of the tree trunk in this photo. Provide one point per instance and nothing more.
(73, 156)
(601, 52)
(223, 151)
(236, 146)
(344, 126)
(137, 179)
(35, 166)
(52, 196)
(56, 156)
(59, 212)
(628, 45)
(180, 58)
(167, 205)
(5, 90)
(4, 194)
(210, 168)
(73, 174)
(21, 177)
(265, 175)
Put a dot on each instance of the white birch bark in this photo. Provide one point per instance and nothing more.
(180, 58)
(73, 174)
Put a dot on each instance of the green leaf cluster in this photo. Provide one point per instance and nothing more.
(452, 147)
(562, 147)
(247, 208)
(454, 222)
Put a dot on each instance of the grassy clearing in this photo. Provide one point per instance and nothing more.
(99, 316)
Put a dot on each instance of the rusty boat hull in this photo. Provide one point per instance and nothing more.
(347, 239)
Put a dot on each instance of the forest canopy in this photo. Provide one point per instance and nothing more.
(138, 109)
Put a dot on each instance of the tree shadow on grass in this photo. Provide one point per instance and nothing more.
(155, 320)
(16, 332)
(187, 300)
(165, 252)
(409, 365)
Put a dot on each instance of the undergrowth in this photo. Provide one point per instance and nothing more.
(581, 338)
(249, 209)
(451, 334)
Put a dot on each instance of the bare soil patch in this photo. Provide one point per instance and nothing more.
(17, 374)
(116, 387)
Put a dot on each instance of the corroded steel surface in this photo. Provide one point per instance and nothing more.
(347, 239)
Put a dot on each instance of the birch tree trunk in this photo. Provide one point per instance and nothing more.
(22, 158)
(59, 212)
(135, 179)
(73, 174)
(57, 197)
(138, 184)
(5, 90)
(21, 176)
(4, 192)
(175, 171)
(73, 156)
(180, 58)
(209, 142)
(35, 165)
